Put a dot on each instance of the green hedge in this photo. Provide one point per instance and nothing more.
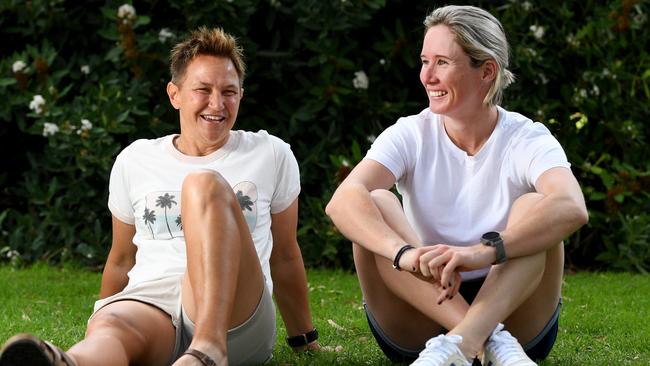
(326, 76)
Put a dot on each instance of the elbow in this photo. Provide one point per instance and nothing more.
(330, 209)
(581, 215)
(333, 206)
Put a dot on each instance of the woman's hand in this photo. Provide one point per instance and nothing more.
(443, 263)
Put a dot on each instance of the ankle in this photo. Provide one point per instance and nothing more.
(468, 346)
(214, 351)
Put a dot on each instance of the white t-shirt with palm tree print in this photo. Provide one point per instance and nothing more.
(452, 198)
(145, 186)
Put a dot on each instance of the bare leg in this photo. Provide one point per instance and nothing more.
(222, 264)
(126, 333)
(388, 292)
(523, 292)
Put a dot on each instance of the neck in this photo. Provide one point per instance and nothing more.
(470, 132)
(188, 147)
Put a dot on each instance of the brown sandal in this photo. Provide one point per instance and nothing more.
(25, 349)
(205, 359)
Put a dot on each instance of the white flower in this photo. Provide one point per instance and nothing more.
(543, 78)
(275, 3)
(531, 52)
(382, 61)
(538, 31)
(371, 138)
(85, 69)
(126, 11)
(37, 103)
(583, 93)
(595, 90)
(345, 163)
(526, 5)
(85, 125)
(49, 129)
(164, 35)
(18, 66)
(572, 40)
(360, 80)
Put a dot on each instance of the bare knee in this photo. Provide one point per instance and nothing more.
(111, 322)
(206, 185)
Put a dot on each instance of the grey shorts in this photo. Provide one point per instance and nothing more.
(249, 343)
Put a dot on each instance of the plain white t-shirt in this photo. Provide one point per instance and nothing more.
(145, 186)
(452, 198)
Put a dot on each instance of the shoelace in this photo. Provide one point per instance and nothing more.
(505, 347)
(438, 349)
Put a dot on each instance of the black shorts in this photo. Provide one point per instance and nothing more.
(537, 349)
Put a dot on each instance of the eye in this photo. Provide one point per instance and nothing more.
(229, 93)
(441, 62)
(203, 90)
(424, 61)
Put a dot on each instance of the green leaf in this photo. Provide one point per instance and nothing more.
(7, 81)
(597, 196)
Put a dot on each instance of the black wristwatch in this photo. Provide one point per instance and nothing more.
(302, 339)
(493, 239)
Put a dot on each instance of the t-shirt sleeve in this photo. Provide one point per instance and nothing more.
(395, 149)
(118, 196)
(541, 152)
(287, 176)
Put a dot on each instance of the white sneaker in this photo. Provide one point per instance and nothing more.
(442, 351)
(502, 349)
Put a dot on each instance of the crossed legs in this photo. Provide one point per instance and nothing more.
(523, 293)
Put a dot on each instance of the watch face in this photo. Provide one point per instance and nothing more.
(491, 235)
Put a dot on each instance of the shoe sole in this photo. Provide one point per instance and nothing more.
(24, 352)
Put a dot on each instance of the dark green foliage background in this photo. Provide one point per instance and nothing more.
(587, 77)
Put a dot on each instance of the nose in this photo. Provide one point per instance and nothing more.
(429, 75)
(216, 100)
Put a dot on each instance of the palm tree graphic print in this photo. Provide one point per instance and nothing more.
(149, 218)
(162, 215)
(166, 201)
(162, 211)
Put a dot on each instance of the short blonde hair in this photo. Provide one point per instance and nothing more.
(210, 42)
(481, 36)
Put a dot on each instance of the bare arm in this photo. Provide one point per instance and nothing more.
(120, 259)
(288, 272)
(355, 214)
(561, 212)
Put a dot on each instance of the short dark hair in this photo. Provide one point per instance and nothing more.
(210, 42)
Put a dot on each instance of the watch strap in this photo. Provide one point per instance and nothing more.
(494, 239)
(302, 339)
(501, 251)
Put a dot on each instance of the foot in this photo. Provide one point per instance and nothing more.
(502, 349)
(25, 349)
(442, 351)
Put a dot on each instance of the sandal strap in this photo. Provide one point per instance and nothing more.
(205, 359)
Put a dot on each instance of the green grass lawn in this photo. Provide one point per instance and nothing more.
(605, 319)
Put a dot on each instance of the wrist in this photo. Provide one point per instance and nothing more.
(302, 340)
(494, 240)
(399, 254)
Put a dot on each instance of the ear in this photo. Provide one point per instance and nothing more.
(241, 94)
(174, 96)
(489, 70)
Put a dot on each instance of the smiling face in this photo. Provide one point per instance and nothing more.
(453, 86)
(208, 101)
